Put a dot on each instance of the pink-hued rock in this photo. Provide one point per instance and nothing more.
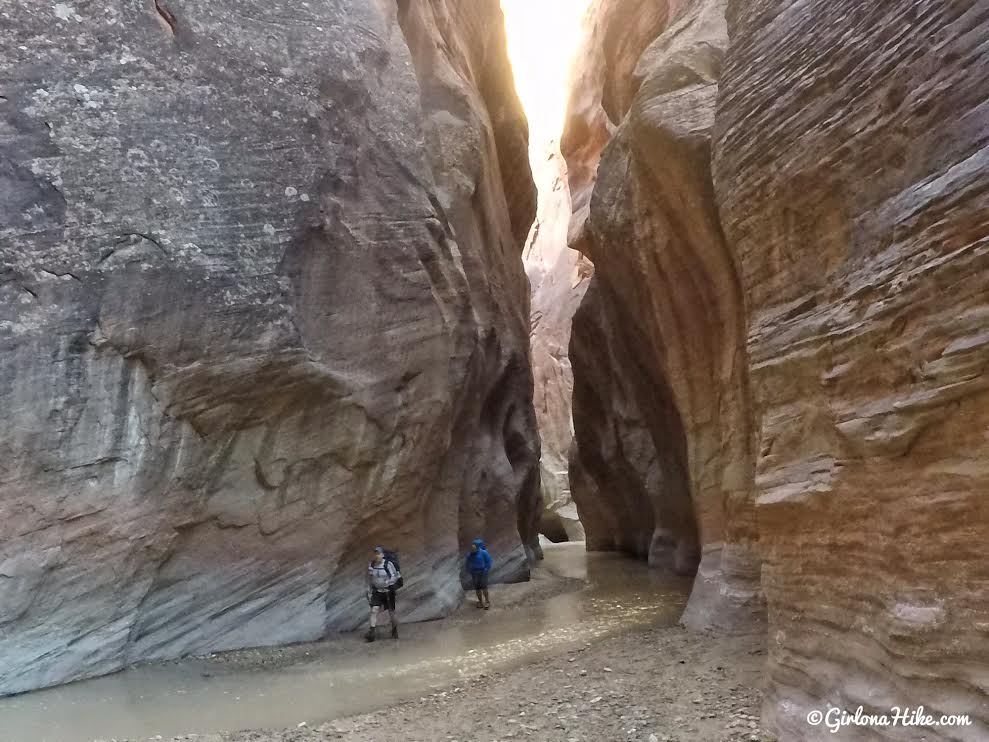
(852, 175)
(783, 352)
(604, 82)
(558, 277)
(661, 411)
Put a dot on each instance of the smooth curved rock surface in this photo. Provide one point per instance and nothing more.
(604, 81)
(852, 173)
(261, 308)
(661, 410)
(558, 277)
(787, 321)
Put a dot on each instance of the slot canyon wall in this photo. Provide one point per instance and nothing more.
(852, 173)
(663, 464)
(780, 363)
(261, 308)
(558, 277)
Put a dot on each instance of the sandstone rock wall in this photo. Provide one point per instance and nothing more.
(558, 277)
(852, 172)
(601, 90)
(477, 144)
(261, 308)
(785, 341)
(602, 87)
(661, 407)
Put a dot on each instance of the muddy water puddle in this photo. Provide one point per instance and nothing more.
(318, 682)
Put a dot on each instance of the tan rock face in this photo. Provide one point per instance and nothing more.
(660, 406)
(782, 355)
(261, 308)
(477, 144)
(603, 86)
(851, 169)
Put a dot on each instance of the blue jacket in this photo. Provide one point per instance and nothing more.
(480, 560)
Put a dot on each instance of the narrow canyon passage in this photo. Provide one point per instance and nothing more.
(697, 282)
(598, 596)
(542, 41)
(640, 386)
(779, 363)
(662, 466)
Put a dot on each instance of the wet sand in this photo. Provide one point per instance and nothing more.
(657, 685)
(575, 600)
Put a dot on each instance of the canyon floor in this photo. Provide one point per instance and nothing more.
(587, 650)
(658, 683)
(661, 684)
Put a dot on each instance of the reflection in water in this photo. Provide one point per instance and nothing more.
(336, 678)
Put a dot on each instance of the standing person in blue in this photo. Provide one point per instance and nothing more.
(479, 564)
(382, 576)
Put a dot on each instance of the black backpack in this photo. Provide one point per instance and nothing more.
(392, 556)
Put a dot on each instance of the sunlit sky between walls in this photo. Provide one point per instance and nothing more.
(542, 39)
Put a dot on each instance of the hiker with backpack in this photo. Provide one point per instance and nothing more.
(478, 564)
(383, 578)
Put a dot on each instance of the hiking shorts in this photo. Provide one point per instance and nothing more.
(480, 580)
(384, 599)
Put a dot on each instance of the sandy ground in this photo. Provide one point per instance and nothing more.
(659, 685)
(662, 684)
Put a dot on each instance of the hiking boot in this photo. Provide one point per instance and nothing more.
(487, 607)
(394, 631)
(370, 635)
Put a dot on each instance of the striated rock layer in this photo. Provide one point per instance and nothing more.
(852, 172)
(661, 409)
(261, 308)
(782, 356)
